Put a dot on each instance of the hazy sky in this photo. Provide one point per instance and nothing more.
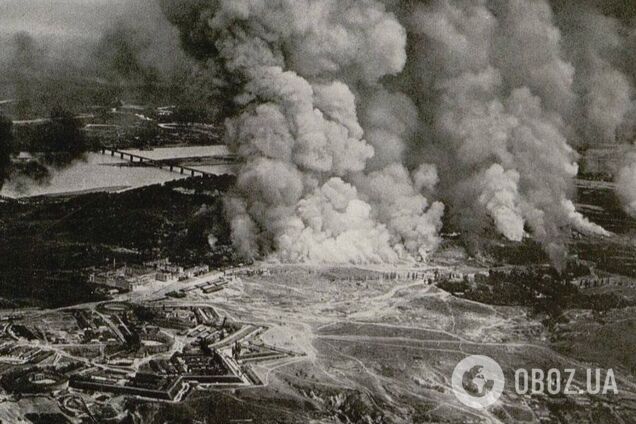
(70, 28)
(69, 18)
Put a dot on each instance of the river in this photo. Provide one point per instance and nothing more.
(97, 172)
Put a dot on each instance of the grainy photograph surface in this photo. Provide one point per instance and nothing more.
(317, 211)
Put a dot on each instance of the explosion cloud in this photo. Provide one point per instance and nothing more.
(354, 116)
(499, 94)
(361, 123)
(305, 191)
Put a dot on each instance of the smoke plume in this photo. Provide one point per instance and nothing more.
(626, 185)
(353, 117)
(505, 103)
(601, 41)
(313, 187)
(361, 123)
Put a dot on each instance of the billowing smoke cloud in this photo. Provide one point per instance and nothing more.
(596, 45)
(319, 183)
(499, 194)
(601, 41)
(506, 101)
(626, 185)
(351, 116)
(357, 119)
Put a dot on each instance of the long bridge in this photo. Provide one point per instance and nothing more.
(172, 167)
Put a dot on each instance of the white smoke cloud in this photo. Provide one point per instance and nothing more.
(528, 52)
(244, 229)
(413, 223)
(349, 135)
(321, 38)
(390, 120)
(332, 224)
(499, 93)
(602, 49)
(494, 94)
(425, 178)
(595, 45)
(581, 223)
(500, 196)
(315, 180)
(626, 185)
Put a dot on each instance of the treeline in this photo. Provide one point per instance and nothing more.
(543, 290)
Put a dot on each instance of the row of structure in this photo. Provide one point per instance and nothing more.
(130, 278)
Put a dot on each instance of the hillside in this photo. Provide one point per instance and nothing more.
(49, 244)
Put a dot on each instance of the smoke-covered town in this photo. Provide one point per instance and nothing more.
(317, 211)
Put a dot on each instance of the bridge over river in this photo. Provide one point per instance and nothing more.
(171, 165)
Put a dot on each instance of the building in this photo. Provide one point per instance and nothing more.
(195, 271)
(124, 278)
(118, 282)
(166, 277)
(158, 263)
(146, 385)
(135, 277)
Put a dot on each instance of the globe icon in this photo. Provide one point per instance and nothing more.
(476, 383)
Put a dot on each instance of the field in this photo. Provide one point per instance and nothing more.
(378, 349)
